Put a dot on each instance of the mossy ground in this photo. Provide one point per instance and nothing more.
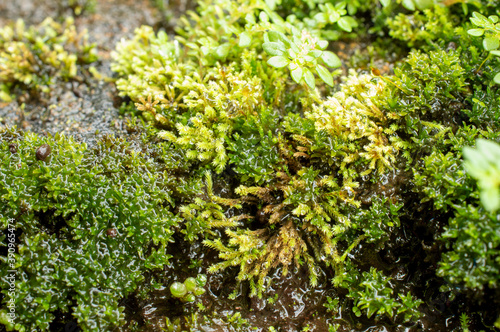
(411, 255)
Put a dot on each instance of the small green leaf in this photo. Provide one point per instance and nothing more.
(490, 198)
(297, 74)
(385, 3)
(334, 17)
(493, 19)
(325, 75)
(479, 19)
(497, 53)
(278, 61)
(331, 59)
(475, 32)
(250, 18)
(271, 4)
(245, 39)
(309, 78)
(178, 290)
(322, 44)
(273, 36)
(320, 18)
(189, 298)
(190, 284)
(409, 4)
(263, 17)
(424, 4)
(222, 51)
(274, 48)
(276, 36)
(198, 291)
(491, 43)
(309, 58)
(315, 53)
(201, 280)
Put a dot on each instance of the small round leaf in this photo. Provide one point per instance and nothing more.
(245, 39)
(190, 284)
(344, 24)
(201, 280)
(475, 32)
(496, 79)
(189, 298)
(222, 51)
(491, 43)
(322, 44)
(198, 291)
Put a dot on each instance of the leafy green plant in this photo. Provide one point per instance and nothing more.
(303, 176)
(206, 213)
(431, 24)
(464, 322)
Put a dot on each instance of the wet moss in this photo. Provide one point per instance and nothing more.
(350, 206)
(37, 57)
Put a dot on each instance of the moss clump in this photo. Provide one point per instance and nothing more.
(37, 57)
(88, 223)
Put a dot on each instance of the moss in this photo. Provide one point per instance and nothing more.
(275, 172)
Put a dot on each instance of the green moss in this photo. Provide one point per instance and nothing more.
(40, 56)
(88, 224)
(298, 176)
(78, 7)
(422, 27)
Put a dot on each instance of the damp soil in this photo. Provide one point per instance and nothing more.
(91, 108)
